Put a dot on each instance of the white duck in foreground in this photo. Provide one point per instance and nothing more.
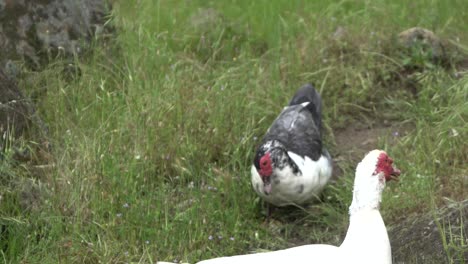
(291, 166)
(366, 241)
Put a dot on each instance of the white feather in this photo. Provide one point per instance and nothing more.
(321, 254)
(315, 175)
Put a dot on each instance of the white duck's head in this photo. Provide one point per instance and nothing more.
(371, 174)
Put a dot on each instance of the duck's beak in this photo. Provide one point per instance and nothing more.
(267, 188)
(266, 185)
(395, 174)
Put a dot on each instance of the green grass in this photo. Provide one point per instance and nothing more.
(154, 137)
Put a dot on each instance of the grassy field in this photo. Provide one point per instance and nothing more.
(154, 136)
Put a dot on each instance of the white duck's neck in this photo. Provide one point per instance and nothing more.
(368, 188)
(366, 240)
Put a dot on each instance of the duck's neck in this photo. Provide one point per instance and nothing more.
(366, 230)
(367, 240)
(367, 192)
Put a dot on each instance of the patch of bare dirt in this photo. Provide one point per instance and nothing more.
(358, 138)
(435, 237)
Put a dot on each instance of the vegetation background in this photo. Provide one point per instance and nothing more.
(153, 133)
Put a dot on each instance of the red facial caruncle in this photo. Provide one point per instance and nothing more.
(265, 166)
(385, 165)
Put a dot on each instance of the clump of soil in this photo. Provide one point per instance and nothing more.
(436, 237)
(425, 40)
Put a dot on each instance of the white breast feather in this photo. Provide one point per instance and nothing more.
(315, 175)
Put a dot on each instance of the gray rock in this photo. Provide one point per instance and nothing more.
(31, 195)
(35, 30)
(17, 114)
(436, 237)
(14, 110)
(425, 40)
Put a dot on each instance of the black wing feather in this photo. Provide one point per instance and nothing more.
(298, 128)
(307, 93)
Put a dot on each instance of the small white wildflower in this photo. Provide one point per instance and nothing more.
(191, 185)
(454, 132)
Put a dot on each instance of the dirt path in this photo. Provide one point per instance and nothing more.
(354, 141)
